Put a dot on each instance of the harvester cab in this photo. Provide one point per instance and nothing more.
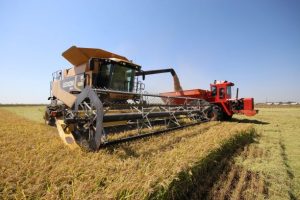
(113, 73)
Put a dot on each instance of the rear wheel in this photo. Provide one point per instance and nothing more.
(215, 114)
(49, 120)
(53, 110)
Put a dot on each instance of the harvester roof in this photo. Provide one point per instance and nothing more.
(78, 55)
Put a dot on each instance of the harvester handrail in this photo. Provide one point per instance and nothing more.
(57, 75)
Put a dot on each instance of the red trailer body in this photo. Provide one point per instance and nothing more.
(195, 93)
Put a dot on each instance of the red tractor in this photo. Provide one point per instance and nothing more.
(221, 96)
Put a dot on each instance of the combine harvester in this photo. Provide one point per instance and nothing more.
(102, 95)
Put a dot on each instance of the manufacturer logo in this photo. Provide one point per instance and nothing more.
(68, 84)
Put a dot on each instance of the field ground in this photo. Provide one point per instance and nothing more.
(34, 113)
(212, 160)
(271, 166)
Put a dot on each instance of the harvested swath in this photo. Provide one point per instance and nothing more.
(196, 181)
(238, 182)
(35, 164)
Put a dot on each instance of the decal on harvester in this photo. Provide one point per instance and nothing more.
(68, 84)
(74, 83)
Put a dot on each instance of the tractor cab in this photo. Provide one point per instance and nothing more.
(221, 91)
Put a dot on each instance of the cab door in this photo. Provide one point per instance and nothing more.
(221, 94)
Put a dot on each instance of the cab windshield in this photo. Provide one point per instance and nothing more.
(115, 76)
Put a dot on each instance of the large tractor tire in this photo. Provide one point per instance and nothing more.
(216, 114)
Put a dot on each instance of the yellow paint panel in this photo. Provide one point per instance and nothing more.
(66, 135)
(62, 95)
(78, 55)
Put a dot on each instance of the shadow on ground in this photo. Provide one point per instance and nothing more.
(249, 121)
(198, 181)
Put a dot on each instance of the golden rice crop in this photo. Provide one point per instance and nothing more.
(34, 163)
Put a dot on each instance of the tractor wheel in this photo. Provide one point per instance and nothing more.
(215, 114)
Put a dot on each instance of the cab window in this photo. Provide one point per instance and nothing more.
(103, 78)
(221, 93)
(213, 91)
(228, 92)
(115, 76)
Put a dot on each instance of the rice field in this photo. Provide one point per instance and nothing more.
(270, 167)
(242, 159)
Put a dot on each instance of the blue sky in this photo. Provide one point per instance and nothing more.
(255, 44)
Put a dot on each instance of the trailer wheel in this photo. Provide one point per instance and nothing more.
(215, 114)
